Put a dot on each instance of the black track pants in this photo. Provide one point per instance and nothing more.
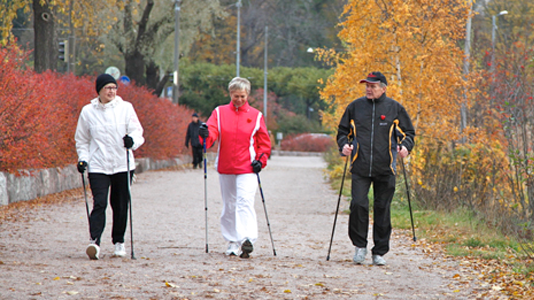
(116, 186)
(384, 188)
(197, 155)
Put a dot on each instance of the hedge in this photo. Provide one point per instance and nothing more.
(39, 113)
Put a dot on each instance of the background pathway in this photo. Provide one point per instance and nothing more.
(42, 256)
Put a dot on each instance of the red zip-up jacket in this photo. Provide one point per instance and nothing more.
(242, 137)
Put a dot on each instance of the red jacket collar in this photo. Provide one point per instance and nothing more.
(244, 108)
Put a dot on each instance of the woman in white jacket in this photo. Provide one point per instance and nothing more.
(106, 128)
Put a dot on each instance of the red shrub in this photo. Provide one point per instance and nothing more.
(165, 123)
(308, 142)
(39, 113)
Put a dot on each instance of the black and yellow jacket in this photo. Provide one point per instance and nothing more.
(375, 127)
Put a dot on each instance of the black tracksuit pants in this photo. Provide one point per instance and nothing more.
(116, 186)
(383, 188)
(197, 156)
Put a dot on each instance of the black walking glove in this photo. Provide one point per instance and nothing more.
(128, 141)
(203, 131)
(256, 166)
(82, 166)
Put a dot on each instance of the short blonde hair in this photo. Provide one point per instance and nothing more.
(239, 84)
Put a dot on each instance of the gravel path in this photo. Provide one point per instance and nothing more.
(44, 257)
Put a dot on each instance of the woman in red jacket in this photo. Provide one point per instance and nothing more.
(243, 149)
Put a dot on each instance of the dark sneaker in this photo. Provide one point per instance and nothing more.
(246, 249)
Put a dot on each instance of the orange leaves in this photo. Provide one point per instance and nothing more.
(39, 113)
(415, 46)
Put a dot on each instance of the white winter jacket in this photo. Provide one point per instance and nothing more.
(99, 134)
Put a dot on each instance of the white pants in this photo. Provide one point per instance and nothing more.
(238, 218)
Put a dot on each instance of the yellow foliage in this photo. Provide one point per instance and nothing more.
(415, 45)
(92, 15)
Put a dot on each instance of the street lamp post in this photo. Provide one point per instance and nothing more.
(238, 50)
(467, 53)
(175, 87)
(265, 75)
(493, 29)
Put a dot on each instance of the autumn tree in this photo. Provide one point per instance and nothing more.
(54, 20)
(294, 26)
(143, 35)
(415, 44)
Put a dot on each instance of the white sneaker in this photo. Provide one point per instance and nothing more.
(360, 254)
(120, 250)
(93, 251)
(379, 260)
(233, 249)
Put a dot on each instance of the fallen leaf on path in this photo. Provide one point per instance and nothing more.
(72, 292)
(287, 291)
(168, 284)
(57, 278)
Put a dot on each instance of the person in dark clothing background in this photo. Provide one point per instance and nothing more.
(196, 144)
(373, 130)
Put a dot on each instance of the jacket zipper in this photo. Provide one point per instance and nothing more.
(372, 139)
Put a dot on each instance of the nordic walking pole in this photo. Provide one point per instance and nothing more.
(337, 207)
(205, 194)
(86, 203)
(130, 200)
(409, 202)
(265, 209)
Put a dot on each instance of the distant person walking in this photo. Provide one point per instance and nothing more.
(244, 147)
(106, 128)
(373, 130)
(196, 144)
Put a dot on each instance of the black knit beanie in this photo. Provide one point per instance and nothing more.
(102, 80)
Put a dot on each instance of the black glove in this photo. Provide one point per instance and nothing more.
(82, 166)
(128, 141)
(256, 166)
(203, 131)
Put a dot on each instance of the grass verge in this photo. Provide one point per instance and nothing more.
(505, 263)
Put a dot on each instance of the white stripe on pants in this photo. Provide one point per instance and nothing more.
(238, 218)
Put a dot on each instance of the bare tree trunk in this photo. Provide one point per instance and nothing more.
(152, 75)
(135, 66)
(46, 47)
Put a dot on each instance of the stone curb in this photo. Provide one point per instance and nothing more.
(54, 180)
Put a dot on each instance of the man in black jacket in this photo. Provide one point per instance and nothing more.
(196, 144)
(373, 130)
